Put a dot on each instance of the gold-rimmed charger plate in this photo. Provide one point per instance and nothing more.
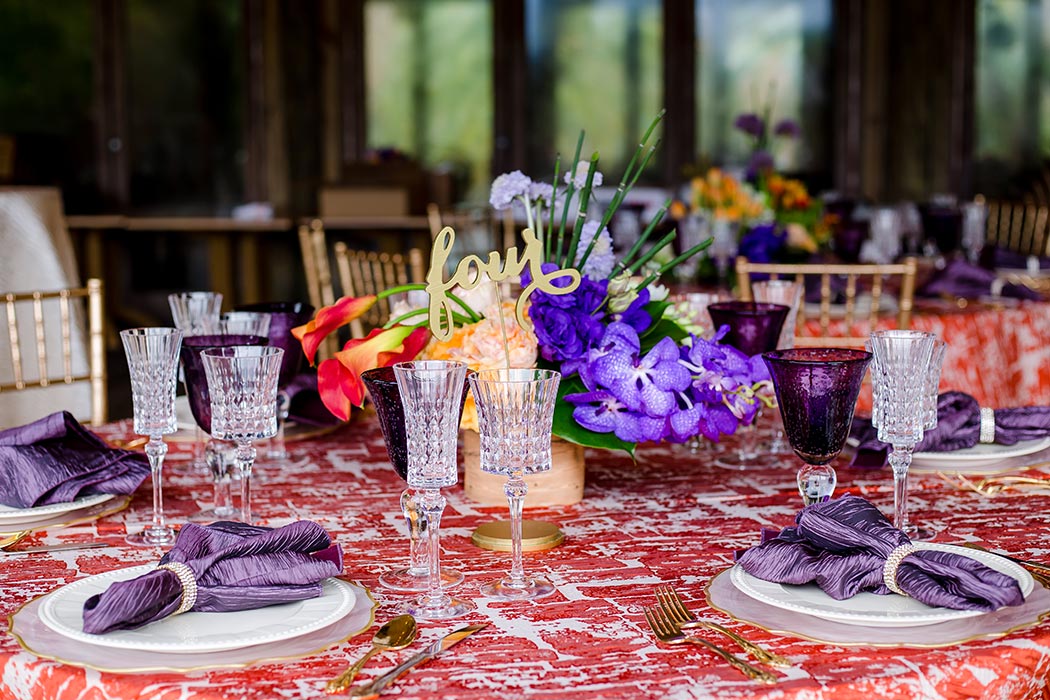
(75, 517)
(723, 596)
(36, 638)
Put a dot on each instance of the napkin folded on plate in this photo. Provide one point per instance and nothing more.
(56, 460)
(962, 279)
(958, 427)
(236, 567)
(842, 545)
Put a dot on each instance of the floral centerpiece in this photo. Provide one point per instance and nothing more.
(630, 373)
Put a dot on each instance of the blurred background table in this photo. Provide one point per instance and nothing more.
(671, 518)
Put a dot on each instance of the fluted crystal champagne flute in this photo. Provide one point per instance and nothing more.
(386, 397)
(195, 313)
(903, 359)
(431, 393)
(153, 358)
(243, 385)
(515, 415)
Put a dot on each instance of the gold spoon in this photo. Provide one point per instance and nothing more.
(395, 634)
(9, 538)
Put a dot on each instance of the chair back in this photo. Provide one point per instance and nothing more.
(366, 272)
(40, 345)
(318, 276)
(857, 319)
(1022, 228)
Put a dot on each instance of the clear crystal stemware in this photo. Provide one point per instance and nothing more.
(153, 356)
(243, 385)
(515, 412)
(900, 389)
(432, 394)
(193, 312)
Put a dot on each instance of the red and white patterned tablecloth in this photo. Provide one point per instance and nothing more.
(1000, 356)
(670, 518)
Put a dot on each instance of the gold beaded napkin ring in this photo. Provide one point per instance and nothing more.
(189, 584)
(893, 561)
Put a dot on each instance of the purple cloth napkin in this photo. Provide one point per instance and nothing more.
(841, 545)
(958, 427)
(962, 279)
(1002, 257)
(237, 567)
(57, 460)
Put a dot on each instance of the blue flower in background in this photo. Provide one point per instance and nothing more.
(762, 243)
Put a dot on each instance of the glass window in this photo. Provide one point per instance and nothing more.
(1012, 94)
(46, 130)
(595, 65)
(186, 78)
(428, 76)
(759, 55)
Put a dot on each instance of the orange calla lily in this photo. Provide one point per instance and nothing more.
(328, 319)
(339, 379)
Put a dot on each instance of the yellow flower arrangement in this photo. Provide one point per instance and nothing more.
(725, 198)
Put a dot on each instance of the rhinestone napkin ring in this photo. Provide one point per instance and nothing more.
(189, 584)
(889, 569)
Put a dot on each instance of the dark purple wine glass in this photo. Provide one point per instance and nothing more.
(817, 391)
(200, 405)
(382, 388)
(754, 327)
(284, 316)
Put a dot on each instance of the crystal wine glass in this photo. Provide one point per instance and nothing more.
(933, 383)
(431, 393)
(382, 388)
(284, 316)
(243, 385)
(152, 361)
(903, 359)
(240, 323)
(515, 412)
(197, 391)
(817, 391)
(789, 294)
(754, 328)
(195, 313)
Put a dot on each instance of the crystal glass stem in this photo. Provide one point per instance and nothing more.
(220, 474)
(245, 460)
(158, 532)
(433, 504)
(415, 519)
(277, 450)
(900, 460)
(516, 488)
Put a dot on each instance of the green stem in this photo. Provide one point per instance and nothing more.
(626, 259)
(570, 190)
(581, 213)
(677, 261)
(473, 315)
(550, 206)
(637, 264)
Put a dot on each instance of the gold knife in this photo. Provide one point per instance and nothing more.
(54, 548)
(373, 689)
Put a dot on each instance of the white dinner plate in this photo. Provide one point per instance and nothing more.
(972, 459)
(20, 516)
(870, 609)
(193, 632)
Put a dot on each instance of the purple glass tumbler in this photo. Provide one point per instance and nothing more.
(817, 391)
(754, 327)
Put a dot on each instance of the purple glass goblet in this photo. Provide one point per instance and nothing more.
(754, 327)
(284, 316)
(817, 391)
(216, 453)
(386, 396)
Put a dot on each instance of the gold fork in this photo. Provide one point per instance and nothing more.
(1040, 572)
(669, 633)
(675, 609)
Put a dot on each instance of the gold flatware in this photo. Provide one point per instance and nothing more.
(669, 633)
(675, 609)
(398, 633)
(9, 538)
(373, 689)
(53, 548)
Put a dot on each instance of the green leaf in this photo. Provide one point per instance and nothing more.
(665, 328)
(566, 427)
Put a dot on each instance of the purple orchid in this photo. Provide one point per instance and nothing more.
(602, 412)
(646, 384)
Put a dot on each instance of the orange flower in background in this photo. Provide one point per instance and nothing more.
(339, 379)
(328, 319)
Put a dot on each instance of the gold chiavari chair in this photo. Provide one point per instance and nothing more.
(871, 279)
(365, 272)
(318, 276)
(1021, 227)
(41, 305)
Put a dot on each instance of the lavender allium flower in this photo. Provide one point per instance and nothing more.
(750, 123)
(601, 260)
(508, 186)
(787, 127)
(579, 178)
(541, 191)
